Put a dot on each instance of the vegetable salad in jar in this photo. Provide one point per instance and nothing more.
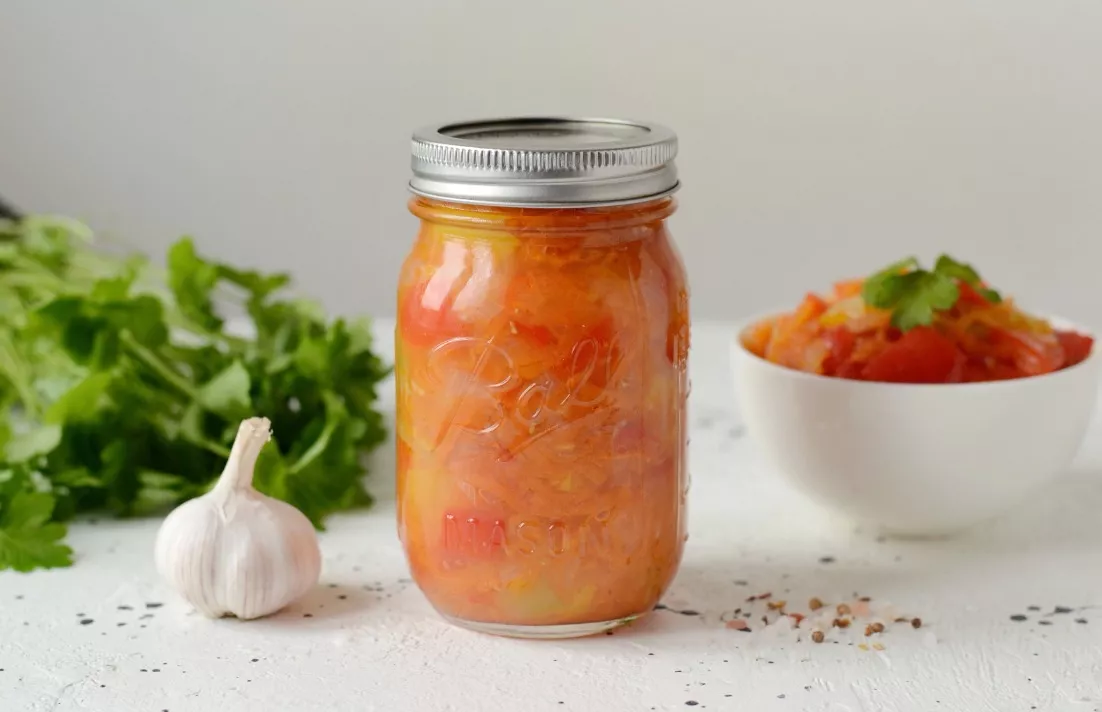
(541, 368)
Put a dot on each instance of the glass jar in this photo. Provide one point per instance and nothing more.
(541, 350)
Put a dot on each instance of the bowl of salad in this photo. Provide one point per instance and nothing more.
(920, 401)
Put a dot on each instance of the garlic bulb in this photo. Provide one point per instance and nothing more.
(235, 551)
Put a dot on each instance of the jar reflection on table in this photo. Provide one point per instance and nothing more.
(541, 371)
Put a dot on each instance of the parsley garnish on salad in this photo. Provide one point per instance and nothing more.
(914, 294)
(121, 387)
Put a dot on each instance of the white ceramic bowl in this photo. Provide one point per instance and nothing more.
(915, 459)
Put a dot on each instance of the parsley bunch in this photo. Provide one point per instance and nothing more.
(121, 388)
(914, 295)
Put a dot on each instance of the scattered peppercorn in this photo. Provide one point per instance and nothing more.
(1062, 609)
(916, 622)
(1018, 618)
(826, 560)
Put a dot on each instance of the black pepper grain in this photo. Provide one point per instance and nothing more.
(307, 615)
(1044, 622)
(780, 696)
(691, 703)
(86, 621)
(255, 660)
(154, 605)
(1081, 621)
(689, 612)
(826, 560)
(1033, 608)
(1062, 609)
(1018, 618)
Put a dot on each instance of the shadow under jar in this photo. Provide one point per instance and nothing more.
(542, 343)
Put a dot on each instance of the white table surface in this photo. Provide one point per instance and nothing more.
(107, 635)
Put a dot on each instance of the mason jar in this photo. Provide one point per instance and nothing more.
(541, 351)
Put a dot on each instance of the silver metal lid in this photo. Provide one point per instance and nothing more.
(544, 162)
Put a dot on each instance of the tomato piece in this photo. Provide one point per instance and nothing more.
(1033, 354)
(850, 369)
(423, 324)
(921, 355)
(985, 369)
(535, 334)
(969, 295)
(840, 341)
(812, 307)
(1077, 347)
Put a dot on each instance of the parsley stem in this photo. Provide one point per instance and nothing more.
(154, 363)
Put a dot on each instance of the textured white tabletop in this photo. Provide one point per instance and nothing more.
(106, 634)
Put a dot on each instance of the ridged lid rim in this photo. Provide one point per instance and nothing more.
(544, 161)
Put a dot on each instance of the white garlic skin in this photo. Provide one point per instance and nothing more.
(235, 551)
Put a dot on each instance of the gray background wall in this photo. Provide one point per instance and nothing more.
(819, 139)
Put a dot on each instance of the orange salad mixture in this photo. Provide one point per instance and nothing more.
(541, 404)
(906, 324)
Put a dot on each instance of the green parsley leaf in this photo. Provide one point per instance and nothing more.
(914, 295)
(27, 541)
(228, 393)
(949, 267)
(35, 443)
(923, 294)
(884, 289)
